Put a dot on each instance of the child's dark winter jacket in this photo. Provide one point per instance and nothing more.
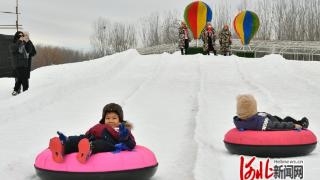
(98, 132)
(262, 121)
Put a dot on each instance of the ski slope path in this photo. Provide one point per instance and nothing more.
(181, 107)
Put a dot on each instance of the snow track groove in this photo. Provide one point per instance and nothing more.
(155, 73)
(175, 110)
(256, 88)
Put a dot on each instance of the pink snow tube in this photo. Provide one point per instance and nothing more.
(140, 163)
(270, 143)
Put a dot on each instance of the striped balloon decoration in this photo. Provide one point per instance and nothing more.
(246, 24)
(196, 16)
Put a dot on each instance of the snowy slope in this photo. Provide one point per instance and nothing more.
(181, 107)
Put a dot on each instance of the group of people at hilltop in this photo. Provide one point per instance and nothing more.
(208, 36)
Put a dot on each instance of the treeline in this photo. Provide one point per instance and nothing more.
(295, 20)
(292, 20)
(111, 37)
(49, 55)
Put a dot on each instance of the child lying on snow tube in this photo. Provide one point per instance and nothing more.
(266, 135)
(111, 134)
(249, 119)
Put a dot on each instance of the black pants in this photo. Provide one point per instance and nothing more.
(186, 43)
(210, 47)
(27, 85)
(21, 74)
(106, 144)
(286, 119)
(277, 123)
(186, 46)
(99, 145)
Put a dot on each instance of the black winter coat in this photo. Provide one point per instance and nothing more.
(19, 54)
(32, 52)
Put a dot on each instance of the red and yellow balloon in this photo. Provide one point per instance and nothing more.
(196, 16)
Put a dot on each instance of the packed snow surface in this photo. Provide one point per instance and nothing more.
(181, 107)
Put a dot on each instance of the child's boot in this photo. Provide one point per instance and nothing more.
(304, 122)
(84, 150)
(57, 149)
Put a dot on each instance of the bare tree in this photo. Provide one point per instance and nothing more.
(150, 30)
(311, 18)
(222, 15)
(243, 5)
(123, 37)
(100, 40)
(295, 20)
(265, 14)
(109, 38)
(170, 25)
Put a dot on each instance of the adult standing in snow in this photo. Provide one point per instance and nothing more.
(225, 40)
(184, 38)
(31, 50)
(19, 62)
(208, 37)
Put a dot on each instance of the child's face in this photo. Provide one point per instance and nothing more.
(112, 119)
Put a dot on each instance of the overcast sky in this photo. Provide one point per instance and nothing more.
(68, 23)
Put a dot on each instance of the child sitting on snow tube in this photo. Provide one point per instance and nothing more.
(111, 134)
(249, 119)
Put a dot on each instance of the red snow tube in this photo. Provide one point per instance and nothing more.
(138, 164)
(270, 143)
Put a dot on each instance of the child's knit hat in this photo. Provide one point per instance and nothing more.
(246, 106)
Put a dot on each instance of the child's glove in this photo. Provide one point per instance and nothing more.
(120, 147)
(62, 137)
(297, 127)
(123, 132)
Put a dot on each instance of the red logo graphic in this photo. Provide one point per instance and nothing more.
(248, 172)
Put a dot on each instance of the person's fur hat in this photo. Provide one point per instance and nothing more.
(112, 107)
(246, 106)
(16, 36)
